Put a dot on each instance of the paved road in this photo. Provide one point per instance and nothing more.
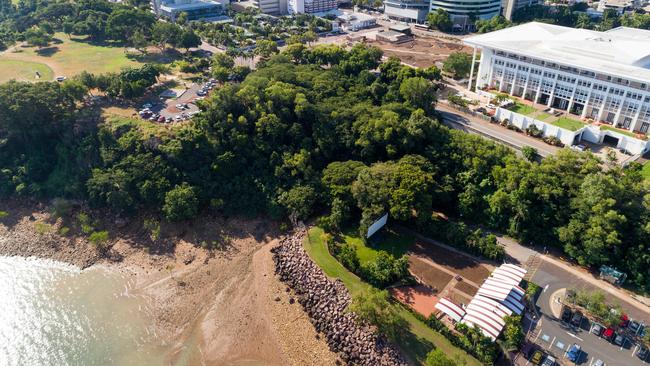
(471, 124)
(555, 338)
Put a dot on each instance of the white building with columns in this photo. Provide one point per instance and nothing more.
(604, 76)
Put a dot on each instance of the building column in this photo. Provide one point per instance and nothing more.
(471, 70)
(514, 80)
(573, 94)
(491, 73)
(539, 89)
(550, 98)
(602, 107)
(503, 77)
(618, 112)
(635, 120)
(523, 94)
(584, 110)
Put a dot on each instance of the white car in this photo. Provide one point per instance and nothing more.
(60, 78)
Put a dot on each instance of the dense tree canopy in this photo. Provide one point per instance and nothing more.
(322, 131)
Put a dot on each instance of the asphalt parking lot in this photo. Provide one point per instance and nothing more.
(179, 108)
(549, 334)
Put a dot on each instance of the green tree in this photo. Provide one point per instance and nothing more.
(37, 37)
(458, 64)
(419, 92)
(164, 34)
(188, 39)
(139, 41)
(513, 333)
(440, 20)
(530, 153)
(265, 48)
(298, 201)
(438, 358)
(374, 307)
(181, 203)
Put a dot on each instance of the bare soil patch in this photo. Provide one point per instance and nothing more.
(466, 288)
(428, 274)
(420, 298)
(421, 52)
(453, 261)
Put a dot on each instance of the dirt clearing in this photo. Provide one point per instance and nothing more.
(453, 261)
(421, 52)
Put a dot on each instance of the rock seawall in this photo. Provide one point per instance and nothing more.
(325, 301)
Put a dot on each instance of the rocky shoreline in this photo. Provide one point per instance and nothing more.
(325, 302)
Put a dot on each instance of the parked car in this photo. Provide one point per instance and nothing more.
(579, 147)
(566, 314)
(576, 319)
(597, 329)
(642, 352)
(608, 334)
(60, 79)
(634, 326)
(574, 353)
(537, 357)
(620, 339)
(599, 362)
(549, 361)
(625, 321)
(147, 106)
(161, 119)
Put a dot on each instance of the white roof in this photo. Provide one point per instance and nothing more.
(450, 309)
(499, 296)
(622, 51)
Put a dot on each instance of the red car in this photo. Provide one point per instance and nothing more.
(625, 321)
(608, 334)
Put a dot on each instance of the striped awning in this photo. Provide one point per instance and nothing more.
(499, 296)
(450, 309)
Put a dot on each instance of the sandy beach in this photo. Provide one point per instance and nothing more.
(220, 306)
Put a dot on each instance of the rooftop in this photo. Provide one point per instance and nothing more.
(618, 52)
(198, 4)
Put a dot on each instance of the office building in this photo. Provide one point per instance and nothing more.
(461, 10)
(600, 76)
(510, 6)
(311, 6)
(195, 9)
(411, 11)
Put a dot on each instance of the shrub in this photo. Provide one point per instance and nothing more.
(181, 203)
(3, 214)
(42, 228)
(530, 153)
(385, 270)
(347, 255)
(98, 239)
(552, 140)
(533, 131)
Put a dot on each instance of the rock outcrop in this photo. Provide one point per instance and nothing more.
(325, 302)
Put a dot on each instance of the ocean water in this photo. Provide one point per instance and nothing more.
(52, 313)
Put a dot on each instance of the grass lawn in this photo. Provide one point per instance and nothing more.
(543, 116)
(148, 128)
(522, 109)
(419, 339)
(70, 57)
(645, 171)
(24, 70)
(622, 132)
(391, 241)
(568, 123)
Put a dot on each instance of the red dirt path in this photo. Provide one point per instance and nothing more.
(420, 298)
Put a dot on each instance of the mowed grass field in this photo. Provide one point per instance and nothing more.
(418, 340)
(68, 57)
(24, 70)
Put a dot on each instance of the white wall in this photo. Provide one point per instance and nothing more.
(591, 134)
(521, 121)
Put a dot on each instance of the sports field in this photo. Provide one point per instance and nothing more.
(65, 57)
